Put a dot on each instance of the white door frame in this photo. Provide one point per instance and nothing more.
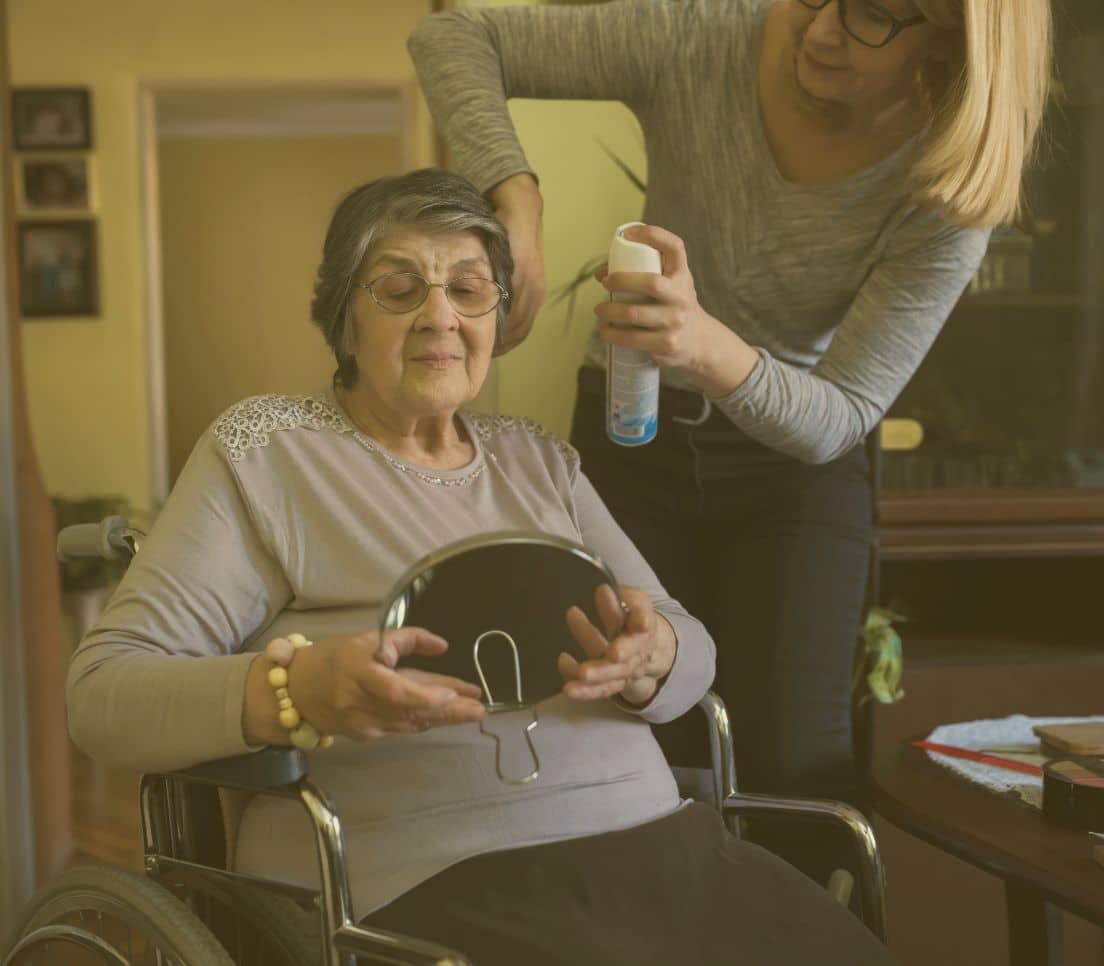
(149, 201)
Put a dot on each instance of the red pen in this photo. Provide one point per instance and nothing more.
(994, 760)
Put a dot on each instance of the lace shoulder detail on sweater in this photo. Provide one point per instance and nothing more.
(247, 425)
(487, 426)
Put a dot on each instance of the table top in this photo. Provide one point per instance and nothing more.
(1000, 834)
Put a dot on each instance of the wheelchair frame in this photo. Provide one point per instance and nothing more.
(170, 841)
(279, 771)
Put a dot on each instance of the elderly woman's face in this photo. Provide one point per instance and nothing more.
(431, 359)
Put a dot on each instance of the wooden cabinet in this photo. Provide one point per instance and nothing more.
(1011, 397)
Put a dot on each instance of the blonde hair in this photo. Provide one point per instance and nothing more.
(987, 104)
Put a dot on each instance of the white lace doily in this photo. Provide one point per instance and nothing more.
(992, 733)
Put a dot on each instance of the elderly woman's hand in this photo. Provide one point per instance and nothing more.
(629, 656)
(350, 685)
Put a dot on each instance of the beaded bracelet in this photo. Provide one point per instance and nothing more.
(280, 652)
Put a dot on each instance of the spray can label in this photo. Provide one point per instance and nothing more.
(632, 376)
(632, 396)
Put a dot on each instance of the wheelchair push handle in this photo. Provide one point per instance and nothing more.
(113, 538)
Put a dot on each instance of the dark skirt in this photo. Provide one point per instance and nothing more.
(679, 890)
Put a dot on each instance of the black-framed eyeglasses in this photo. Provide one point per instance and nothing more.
(470, 295)
(868, 22)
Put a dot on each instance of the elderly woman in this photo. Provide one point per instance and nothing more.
(295, 515)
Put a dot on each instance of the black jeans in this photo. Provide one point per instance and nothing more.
(773, 556)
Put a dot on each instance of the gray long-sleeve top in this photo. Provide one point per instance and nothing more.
(287, 519)
(841, 287)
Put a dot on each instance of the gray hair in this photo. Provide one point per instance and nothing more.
(430, 198)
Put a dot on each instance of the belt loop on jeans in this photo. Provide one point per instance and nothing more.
(702, 417)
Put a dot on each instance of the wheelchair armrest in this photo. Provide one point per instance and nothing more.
(720, 747)
(256, 772)
(746, 803)
(870, 868)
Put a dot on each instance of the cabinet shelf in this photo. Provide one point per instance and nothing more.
(991, 524)
(993, 542)
(991, 506)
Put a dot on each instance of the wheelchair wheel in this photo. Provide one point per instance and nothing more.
(98, 914)
(294, 931)
(258, 927)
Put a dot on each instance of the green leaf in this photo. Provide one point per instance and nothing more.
(571, 289)
(637, 181)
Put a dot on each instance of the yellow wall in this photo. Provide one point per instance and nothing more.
(86, 379)
(585, 198)
(87, 387)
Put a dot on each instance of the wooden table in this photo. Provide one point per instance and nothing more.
(1044, 867)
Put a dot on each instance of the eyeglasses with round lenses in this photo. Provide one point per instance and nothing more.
(469, 295)
(868, 22)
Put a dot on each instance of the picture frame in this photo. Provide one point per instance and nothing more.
(51, 118)
(54, 185)
(58, 269)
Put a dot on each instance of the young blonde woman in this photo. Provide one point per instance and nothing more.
(822, 178)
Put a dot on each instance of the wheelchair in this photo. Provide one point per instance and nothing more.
(191, 909)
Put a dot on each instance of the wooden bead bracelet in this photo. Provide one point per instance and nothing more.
(280, 652)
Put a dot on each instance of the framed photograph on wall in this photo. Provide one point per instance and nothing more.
(53, 185)
(51, 118)
(58, 269)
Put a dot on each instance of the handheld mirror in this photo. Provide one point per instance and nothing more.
(500, 600)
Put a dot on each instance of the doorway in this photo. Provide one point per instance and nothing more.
(240, 186)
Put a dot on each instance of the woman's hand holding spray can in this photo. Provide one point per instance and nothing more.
(632, 376)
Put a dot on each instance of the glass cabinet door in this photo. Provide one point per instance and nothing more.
(1005, 418)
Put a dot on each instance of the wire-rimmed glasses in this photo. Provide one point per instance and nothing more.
(470, 295)
(868, 22)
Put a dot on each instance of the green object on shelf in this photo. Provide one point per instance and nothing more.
(880, 660)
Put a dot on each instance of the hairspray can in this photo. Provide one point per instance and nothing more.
(632, 376)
